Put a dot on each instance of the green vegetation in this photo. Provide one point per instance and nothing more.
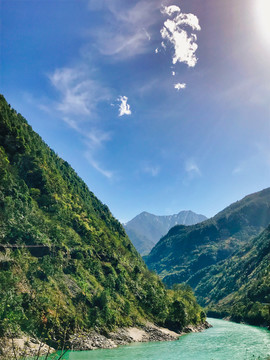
(183, 308)
(65, 262)
(186, 250)
(227, 268)
(240, 286)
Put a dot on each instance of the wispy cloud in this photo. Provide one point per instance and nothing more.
(94, 140)
(180, 86)
(174, 32)
(124, 107)
(192, 168)
(238, 169)
(89, 156)
(258, 157)
(250, 90)
(147, 86)
(79, 93)
(151, 170)
(128, 29)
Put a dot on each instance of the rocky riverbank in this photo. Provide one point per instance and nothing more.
(23, 346)
(124, 336)
(26, 346)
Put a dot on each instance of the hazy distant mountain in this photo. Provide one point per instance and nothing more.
(182, 254)
(146, 229)
(225, 259)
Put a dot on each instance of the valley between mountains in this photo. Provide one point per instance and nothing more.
(225, 259)
(145, 229)
(67, 266)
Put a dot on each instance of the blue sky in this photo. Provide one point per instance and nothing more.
(158, 105)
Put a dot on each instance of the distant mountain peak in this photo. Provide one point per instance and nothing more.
(184, 253)
(145, 229)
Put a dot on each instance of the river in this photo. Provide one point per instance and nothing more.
(224, 341)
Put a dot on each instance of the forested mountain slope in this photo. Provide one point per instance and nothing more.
(182, 254)
(239, 287)
(145, 229)
(65, 261)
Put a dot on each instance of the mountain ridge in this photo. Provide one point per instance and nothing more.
(145, 229)
(225, 259)
(239, 288)
(211, 241)
(66, 263)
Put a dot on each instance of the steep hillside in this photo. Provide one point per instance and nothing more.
(146, 229)
(185, 251)
(239, 287)
(65, 262)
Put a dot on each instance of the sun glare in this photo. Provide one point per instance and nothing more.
(262, 11)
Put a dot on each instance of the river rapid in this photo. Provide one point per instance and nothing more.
(224, 341)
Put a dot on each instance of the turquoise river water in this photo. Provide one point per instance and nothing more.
(224, 341)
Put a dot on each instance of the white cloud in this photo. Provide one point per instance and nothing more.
(239, 169)
(123, 44)
(96, 138)
(79, 95)
(152, 170)
(71, 123)
(174, 32)
(192, 168)
(128, 29)
(148, 35)
(79, 92)
(94, 141)
(169, 10)
(107, 173)
(124, 107)
(179, 86)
